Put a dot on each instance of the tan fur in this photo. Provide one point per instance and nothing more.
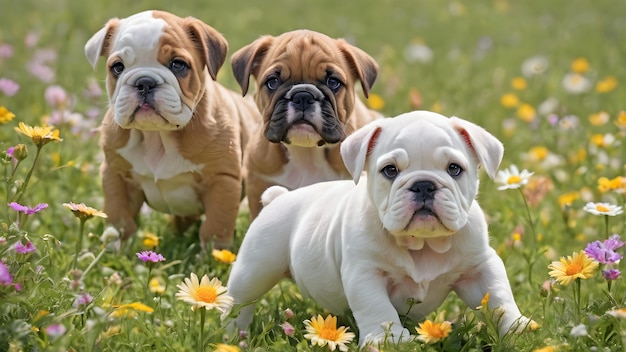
(215, 137)
(300, 56)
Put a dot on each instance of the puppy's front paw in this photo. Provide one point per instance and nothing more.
(524, 324)
(389, 334)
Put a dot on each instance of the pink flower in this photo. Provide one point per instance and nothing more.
(150, 256)
(8, 87)
(288, 329)
(6, 51)
(56, 97)
(82, 300)
(56, 330)
(24, 249)
(6, 278)
(27, 210)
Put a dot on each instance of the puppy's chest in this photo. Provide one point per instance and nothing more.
(306, 166)
(165, 176)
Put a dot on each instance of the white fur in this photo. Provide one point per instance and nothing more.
(354, 246)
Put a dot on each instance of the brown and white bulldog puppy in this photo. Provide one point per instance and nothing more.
(305, 93)
(172, 136)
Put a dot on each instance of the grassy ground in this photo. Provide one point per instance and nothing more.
(468, 59)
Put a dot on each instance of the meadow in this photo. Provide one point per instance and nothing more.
(545, 77)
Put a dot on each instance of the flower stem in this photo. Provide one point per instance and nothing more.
(202, 317)
(577, 297)
(606, 225)
(530, 218)
(22, 188)
(79, 242)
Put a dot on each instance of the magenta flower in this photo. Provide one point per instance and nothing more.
(27, 210)
(611, 274)
(6, 278)
(605, 252)
(150, 256)
(288, 329)
(56, 97)
(11, 152)
(82, 300)
(8, 87)
(24, 249)
(55, 330)
(6, 50)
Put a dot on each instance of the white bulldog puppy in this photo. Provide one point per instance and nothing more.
(409, 229)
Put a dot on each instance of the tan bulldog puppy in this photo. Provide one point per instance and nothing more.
(409, 230)
(172, 136)
(305, 93)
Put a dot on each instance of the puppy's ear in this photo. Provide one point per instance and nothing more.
(363, 66)
(100, 43)
(212, 44)
(357, 146)
(487, 148)
(245, 61)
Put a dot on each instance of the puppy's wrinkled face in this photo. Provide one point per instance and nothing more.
(156, 68)
(305, 85)
(422, 173)
(423, 180)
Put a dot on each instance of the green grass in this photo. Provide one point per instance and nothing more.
(478, 48)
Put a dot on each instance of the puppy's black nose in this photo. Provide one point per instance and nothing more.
(424, 190)
(144, 85)
(302, 99)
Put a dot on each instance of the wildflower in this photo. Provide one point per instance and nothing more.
(224, 256)
(110, 234)
(485, 300)
(9, 87)
(82, 300)
(599, 118)
(575, 83)
(611, 274)
(431, 332)
(155, 286)
(220, 347)
(288, 313)
(578, 266)
(39, 135)
(620, 121)
(6, 51)
(27, 210)
(526, 112)
(602, 140)
(509, 100)
(130, 309)
(579, 331)
(375, 101)
(6, 279)
(415, 98)
(150, 240)
(618, 313)
(418, 52)
(208, 294)
(150, 256)
(83, 212)
(580, 65)
(324, 332)
(537, 189)
(518, 83)
(534, 65)
(5, 115)
(56, 97)
(603, 209)
(605, 252)
(545, 349)
(511, 178)
(606, 85)
(288, 329)
(56, 330)
(24, 248)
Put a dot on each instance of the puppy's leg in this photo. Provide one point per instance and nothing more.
(121, 201)
(490, 277)
(221, 205)
(262, 261)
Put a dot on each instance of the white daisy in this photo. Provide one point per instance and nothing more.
(511, 178)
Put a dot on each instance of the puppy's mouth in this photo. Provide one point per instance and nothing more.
(146, 115)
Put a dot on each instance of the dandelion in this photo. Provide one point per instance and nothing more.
(375, 101)
(606, 85)
(511, 178)
(518, 83)
(28, 210)
(24, 248)
(5, 115)
(224, 256)
(39, 135)
(430, 332)
(526, 112)
(324, 332)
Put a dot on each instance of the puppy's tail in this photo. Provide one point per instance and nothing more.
(272, 193)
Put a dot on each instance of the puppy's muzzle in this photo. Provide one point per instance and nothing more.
(424, 197)
(145, 87)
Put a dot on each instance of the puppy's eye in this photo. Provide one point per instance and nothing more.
(333, 83)
(178, 67)
(390, 171)
(454, 170)
(117, 68)
(272, 83)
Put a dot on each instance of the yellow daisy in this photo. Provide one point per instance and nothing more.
(509, 100)
(577, 266)
(431, 332)
(82, 211)
(375, 101)
(221, 347)
(39, 135)
(224, 256)
(580, 65)
(130, 309)
(156, 286)
(150, 240)
(606, 85)
(205, 293)
(324, 332)
(5, 115)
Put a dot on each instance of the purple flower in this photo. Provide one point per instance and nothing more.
(82, 300)
(288, 329)
(8, 87)
(611, 274)
(604, 252)
(11, 152)
(26, 210)
(150, 256)
(6, 51)
(56, 330)
(23, 249)
(6, 278)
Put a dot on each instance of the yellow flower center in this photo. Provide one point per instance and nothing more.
(514, 179)
(573, 268)
(602, 208)
(206, 294)
(329, 334)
